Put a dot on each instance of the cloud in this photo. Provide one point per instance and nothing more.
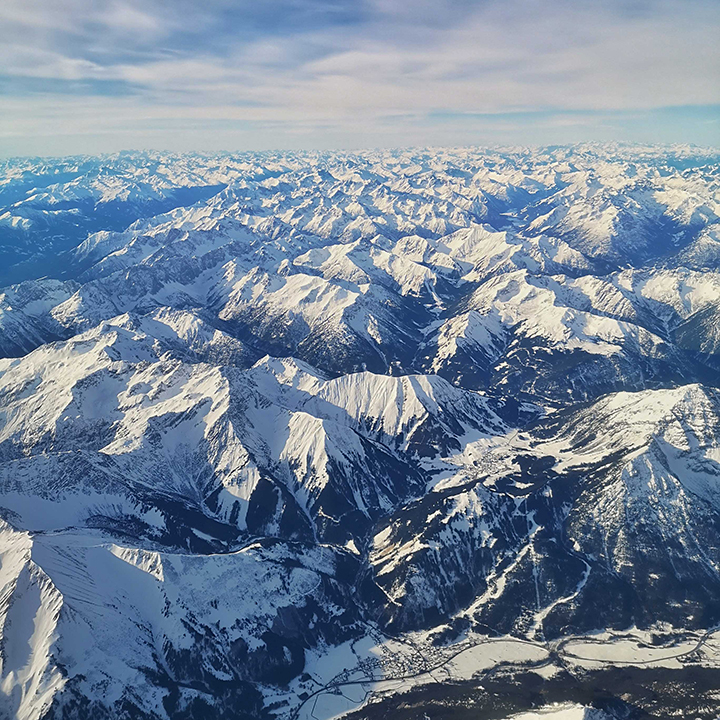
(303, 66)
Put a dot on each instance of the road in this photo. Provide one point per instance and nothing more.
(559, 651)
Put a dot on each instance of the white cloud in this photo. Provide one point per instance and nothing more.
(393, 59)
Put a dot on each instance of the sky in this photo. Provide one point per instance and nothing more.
(92, 76)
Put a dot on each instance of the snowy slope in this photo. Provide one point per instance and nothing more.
(257, 408)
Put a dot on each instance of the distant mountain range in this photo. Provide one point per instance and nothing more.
(257, 408)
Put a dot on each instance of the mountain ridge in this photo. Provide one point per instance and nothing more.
(346, 400)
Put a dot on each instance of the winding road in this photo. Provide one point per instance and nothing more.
(558, 651)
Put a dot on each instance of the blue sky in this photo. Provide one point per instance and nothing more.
(104, 75)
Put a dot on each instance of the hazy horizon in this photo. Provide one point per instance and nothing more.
(95, 77)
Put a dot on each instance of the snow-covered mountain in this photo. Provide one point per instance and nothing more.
(256, 407)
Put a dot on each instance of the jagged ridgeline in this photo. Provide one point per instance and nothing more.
(263, 415)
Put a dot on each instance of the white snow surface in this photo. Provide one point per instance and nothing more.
(208, 412)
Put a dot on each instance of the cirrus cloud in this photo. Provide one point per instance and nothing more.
(119, 73)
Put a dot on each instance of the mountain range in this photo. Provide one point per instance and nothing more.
(257, 408)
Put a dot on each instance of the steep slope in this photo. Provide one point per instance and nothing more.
(603, 516)
(92, 628)
(283, 427)
(118, 427)
(563, 338)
